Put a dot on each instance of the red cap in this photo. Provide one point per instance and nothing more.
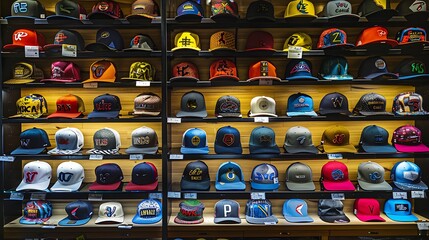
(185, 71)
(375, 35)
(223, 69)
(367, 210)
(260, 40)
(262, 70)
(25, 37)
(335, 177)
(68, 106)
(63, 71)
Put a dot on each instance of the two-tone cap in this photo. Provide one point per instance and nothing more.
(147, 104)
(228, 141)
(69, 37)
(141, 71)
(332, 211)
(106, 106)
(299, 69)
(298, 39)
(224, 10)
(300, 104)
(337, 139)
(228, 106)
(36, 176)
(102, 71)
(31, 106)
(68, 106)
(339, 11)
(185, 71)
(333, 38)
(335, 177)
(25, 72)
(408, 103)
(262, 106)
(141, 42)
(367, 210)
(413, 10)
(36, 212)
(260, 10)
(69, 141)
(262, 70)
(334, 103)
(375, 37)
(107, 141)
(411, 68)
(299, 177)
(399, 210)
(222, 41)
(78, 213)
(260, 41)
(408, 138)
(370, 177)
(149, 211)
(26, 9)
(264, 177)
(223, 69)
(335, 68)
(371, 104)
(194, 141)
(106, 10)
(375, 67)
(32, 141)
(144, 177)
(296, 211)
(25, 37)
(260, 212)
(108, 177)
(143, 9)
(298, 140)
(64, 71)
(412, 37)
(263, 140)
(229, 176)
(302, 10)
(189, 11)
(190, 212)
(375, 10)
(68, 10)
(374, 139)
(192, 104)
(70, 176)
(107, 39)
(143, 140)
(227, 211)
(407, 176)
(195, 176)
(186, 40)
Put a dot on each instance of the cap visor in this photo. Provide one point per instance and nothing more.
(226, 150)
(186, 150)
(186, 48)
(260, 49)
(26, 116)
(109, 80)
(19, 81)
(235, 186)
(138, 220)
(264, 78)
(302, 219)
(338, 46)
(369, 218)
(337, 77)
(146, 113)
(263, 186)
(49, 47)
(334, 111)
(335, 219)
(63, 151)
(344, 18)
(293, 186)
(338, 186)
(224, 78)
(61, 17)
(110, 220)
(301, 149)
(58, 187)
(402, 218)
(100, 15)
(377, 75)
(379, 149)
(270, 219)
(413, 76)
(32, 221)
(222, 49)
(134, 79)
(262, 114)
(181, 221)
(27, 151)
(382, 186)
(199, 186)
(227, 220)
(64, 115)
(59, 80)
(409, 187)
(224, 17)
(381, 15)
(375, 113)
(408, 148)
(258, 18)
(335, 149)
(258, 149)
(35, 186)
(202, 114)
(188, 18)
(98, 47)
(384, 42)
(141, 16)
(104, 187)
(184, 79)
(138, 49)
(106, 114)
(12, 47)
(302, 77)
(147, 187)
(150, 150)
(70, 222)
(220, 115)
(295, 114)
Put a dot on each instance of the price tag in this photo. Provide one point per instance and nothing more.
(136, 157)
(125, 226)
(49, 226)
(270, 223)
(417, 194)
(16, 196)
(294, 52)
(190, 195)
(69, 50)
(7, 159)
(38, 196)
(173, 195)
(155, 195)
(338, 196)
(174, 120)
(262, 119)
(31, 51)
(265, 82)
(257, 195)
(399, 195)
(142, 83)
(95, 157)
(95, 197)
(335, 156)
(176, 156)
(82, 17)
(423, 226)
(90, 85)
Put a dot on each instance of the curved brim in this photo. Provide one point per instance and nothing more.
(227, 115)
(334, 111)
(383, 186)
(226, 150)
(104, 187)
(338, 186)
(335, 219)
(385, 74)
(110, 219)
(262, 114)
(202, 114)
(305, 77)
(409, 187)
(408, 148)
(181, 221)
(19, 81)
(149, 150)
(225, 77)
(270, 219)
(146, 113)
(137, 49)
(364, 113)
(337, 77)
(61, 17)
(227, 220)
(98, 47)
(222, 49)
(301, 149)
(186, 48)
(109, 80)
(188, 18)
(308, 186)
(16, 47)
(402, 218)
(379, 149)
(263, 186)
(106, 114)
(264, 78)
(100, 15)
(71, 222)
(58, 187)
(260, 49)
(336, 46)
(260, 149)
(136, 187)
(413, 76)
(35, 186)
(235, 186)
(303, 219)
(344, 18)
(295, 114)
(139, 17)
(390, 42)
(186, 150)
(335, 149)
(223, 17)
(59, 80)
(199, 186)
(184, 79)
(27, 151)
(138, 220)
(64, 115)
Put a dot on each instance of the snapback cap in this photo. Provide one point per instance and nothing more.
(107, 39)
(144, 177)
(143, 9)
(69, 141)
(141, 71)
(228, 106)
(192, 104)
(300, 104)
(70, 176)
(407, 176)
(331, 211)
(262, 70)
(263, 140)
(194, 141)
(147, 104)
(228, 141)
(413, 10)
(260, 10)
(333, 38)
(106, 10)
(412, 36)
(149, 211)
(25, 37)
(298, 140)
(69, 37)
(374, 139)
(299, 69)
(411, 68)
(141, 42)
(78, 213)
(334, 103)
(25, 72)
(299, 177)
(69, 106)
(299, 39)
(335, 68)
(229, 177)
(31, 106)
(408, 138)
(108, 178)
(371, 104)
(375, 67)
(64, 71)
(408, 103)
(110, 212)
(337, 139)
(300, 9)
(339, 11)
(335, 177)
(102, 71)
(296, 211)
(36, 212)
(260, 212)
(185, 71)
(375, 10)
(190, 212)
(26, 9)
(189, 11)
(223, 69)
(32, 141)
(265, 177)
(260, 41)
(367, 210)
(106, 106)
(195, 177)
(187, 40)
(36, 176)
(222, 40)
(227, 211)
(224, 10)
(399, 210)
(143, 140)
(106, 141)
(375, 37)
(262, 106)
(370, 177)
(68, 10)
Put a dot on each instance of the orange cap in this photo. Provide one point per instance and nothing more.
(185, 71)
(102, 71)
(375, 35)
(262, 70)
(223, 69)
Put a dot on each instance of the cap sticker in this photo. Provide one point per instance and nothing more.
(410, 175)
(195, 140)
(380, 64)
(228, 139)
(418, 6)
(196, 174)
(401, 207)
(337, 174)
(302, 7)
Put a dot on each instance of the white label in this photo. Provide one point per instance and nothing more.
(136, 157)
(335, 156)
(125, 226)
(257, 195)
(143, 84)
(174, 120)
(173, 195)
(276, 180)
(49, 226)
(16, 196)
(338, 196)
(262, 119)
(265, 82)
(399, 195)
(95, 197)
(423, 225)
(90, 85)
(270, 223)
(31, 51)
(95, 157)
(82, 16)
(176, 156)
(155, 195)
(7, 158)
(38, 196)
(190, 195)
(294, 52)
(69, 50)
(417, 194)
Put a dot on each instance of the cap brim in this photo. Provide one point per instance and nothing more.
(108, 80)
(220, 115)
(100, 15)
(381, 15)
(402, 218)
(202, 114)
(379, 149)
(337, 149)
(147, 187)
(270, 219)
(301, 149)
(295, 114)
(410, 187)
(258, 18)
(303, 219)
(337, 46)
(226, 150)
(307, 17)
(188, 18)
(61, 17)
(134, 79)
(382, 186)
(390, 42)
(138, 220)
(186, 48)
(26, 116)
(58, 187)
(344, 18)
(59, 80)
(16, 47)
(181, 221)
(335, 219)
(106, 114)
(63, 151)
(32, 221)
(99, 47)
(262, 114)
(140, 16)
(49, 47)
(199, 186)
(104, 220)
(35, 186)
(223, 17)
(104, 187)
(225, 78)
(408, 148)
(70, 222)
(19, 81)
(149, 150)
(138, 49)
(234, 186)
(263, 186)
(302, 77)
(365, 113)
(337, 77)
(293, 186)
(227, 220)
(264, 78)
(333, 111)
(413, 76)
(27, 151)
(184, 79)
(64, 115)
(186, 150)
(338, 186)
(258, 149)
(145, 113)
(376, 75)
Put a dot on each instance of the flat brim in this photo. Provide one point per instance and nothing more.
(223, 17)
(336, 149)
(390, 42)
(335, 219)
(270, 219)
(19, 81)
(202, 113)
(105, 114)
(222, 49)
(134, 79)
(301, 149)
(235, 115)
(184, 79)
(338, 186)
(186, 150)
(226, 150)
(59, 187)
(377, 75)
(296, 114)
(334, 111)
(59, 80)
(139, 16)
(381, 15)
(227, 220)
(146, 113)
(61, 17)
(402, 218)
(100, 15)
(337, 77)
(17, 47)
(258, 149)
(413, 76)
(137, 49)
(235, 186)
(99, 47)
(336, 46)
(293, 186)
(111, 219)
(49, 47)
(307, 17)
(34, 186)
(149, 150)
(181, 221)
(108, 80)
(367, 113)
(104, 187)
(27, 151)
(26, 116)
(304, 77)
(32, 221)
(71, 222)
(379, 148)
(369, 218)
(303, 219)
(136, 187)
(225, 78)
(64, 115)
(408, 148)
(263, 78)
(199, 186)
(63, 151)
(264, 186)
(188, 18)
(382, 186)
(410, 187)
(138, 220)
(344, 18)
(259, 18)
(262, 114)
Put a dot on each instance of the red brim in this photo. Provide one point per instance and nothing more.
(408, 148)
(14, 46)
(104, 187)
(135, 187)
(391, 42)
(369, 218)
(338, 186)
(64, 115)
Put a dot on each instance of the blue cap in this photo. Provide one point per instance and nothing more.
(335, 68)
(194, 141)
(229, 176)
(36, 212)
(228, 141)
(296, 211)
(189, 10)
(265, 177)
(149, 211)
(300, 104)
(106, 106)
(263, 140)
(299, 69)
(407, 176)
(107, 39)
(399, 210)
(78, 213)
(32, 141)
(375, 67)
(260, 212)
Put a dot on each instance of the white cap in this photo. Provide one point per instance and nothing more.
(262, 106)
(110, 212)
(37, 176)
(69, 177)
(68, 140)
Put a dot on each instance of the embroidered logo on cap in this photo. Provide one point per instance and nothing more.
(265, 138)
(337, 174)
(60, 37)
(301, 140)
(339, 138)
(192, 104)
(182, 70)
(19, 35)
(298, 209)
(375, 176)
(337, 102)
(195, 140)
(110, 211)
(418, 6)
(29, 176)
(65, 176)
(302, 7)
(342, 7)
(264, 68)
(300, 67)
(196, 174)
(263, 105)
(230, 175)
(228, 139)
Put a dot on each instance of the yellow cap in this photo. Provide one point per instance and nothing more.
(298, 39)
(300, 8)
(187, 40)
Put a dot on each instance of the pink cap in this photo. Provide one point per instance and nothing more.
(367, 210)
(408, 139)
(335, 176)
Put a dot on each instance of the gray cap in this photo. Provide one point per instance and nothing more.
(299, 177)
(371, 177)
(144, 140)
(298, 140)
(192, 105)
(340, 10)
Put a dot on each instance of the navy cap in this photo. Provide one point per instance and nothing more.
(299, 69)
(263, 140)
(194, 141)
(227, 211)
(334, 103)
(300, 104)
(189, 11)
(335, 68)
(144, 177)
(195, 177)
(260, 10)
(374, 139)
(229, 176)
(32, 141)
(106, 106)
(68, 9)
(411, 68)
(108, 177)
(107, 39)
(66, 37)
(228, 141)
(265, 177)
(78, 213)
(407, 176)
(375, 67)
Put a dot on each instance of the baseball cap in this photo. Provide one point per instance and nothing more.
(298, 140)
(407, 176)
(107, 39)
(189, 10)
(194, 141)
(68, 10)
(223, 69)
(228, 141)
(70, 37)
(106, 106)
(371, 104)
(296, 211)
(141, 42)
(299, 177)
(187, 40)
(143, 140)
(69, 141)
(299, 39)
(331, 211)
(262, 106)
(25, 72)
(147, 104)
(143, 9)
(69, 106)
(399, 210)
(195, 177)
(36, 176)
(339, 10)
(411, 68)
(224, 10)
(78, 213)
(30, 9)
(106, 141)
(370, 177)
(69, 177)
(335, 177)
(144, 177)
(337, 139)
(260, 10)
(106, 10)
(263, 140)
(408, 103)
(260, 212)
(149, 211)
(141, 71)
(64, 71)
(375, 67)
(367, 210)
(412, 36)
(413, 10)
(300, 104)
(36, 212)
(375, 37)
(185, 71)
(374, 139)
(227, 211)
(335, 68)
(108, 178)
(229, 176)
(264, 177)
(408, 138)
(333, 38)
(190, 212)
(260, 41)
(299, 69)
(31, 106)
(262, 70)
(334, 103)
(192, 105)
(375, 10)
(32, 141)
(228, 106)
(102, 71)
(110, 212)
(25, 37)
(300, 9)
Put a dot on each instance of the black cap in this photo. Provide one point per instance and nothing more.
(70, 37)
(334, 103)
(413, 10)
(227, 211)
(375, 67)
(411, 68)
(228, 106)
(26, 9)
(196, 177)
(107, 39)
(374, 12)
(371, 104)
(68, 9)
(332, 211)
(141, 42)
(260, 10)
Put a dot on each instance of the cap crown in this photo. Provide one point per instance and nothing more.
(367, 206)
(70, 8)
(190, 7)
(27, 8)
(298, 136)
(191, 210)
(263, 137)
(65, 71)
(223, 68)
(147, 103)
(228, 106)
(229, 172)
(69, 139)
(144, 137)
(408, 103)
(107, 103)
(145, 7)
(32, 106)
(260, 10)
(187, 39)
(336, 135)
(227, 209)
(260, 40)
(299, 67)
(299, 7)
(371, 102)
(142, 41)
(103, 70)
(300, 102)
(222, 40)
(108, 173)
(411, 68)
(110, 210)
(372, 34)
(335, 68)
(299, 173)
(265, 173)
(262, 69)
(24, 70)
(410, 35)
(110, 8)
(329, 207)
(335, 172)
(27, 37)
(299, 39)
(406, 172)
(334, 103)
(144, 173)
(262, 104)
(337, 8)
(70, 104)
(224, 7)
(106, 139)
(371, 172)
(400, 207)
(37, 211)
(296, 208)
(69, 37)
(193, 102)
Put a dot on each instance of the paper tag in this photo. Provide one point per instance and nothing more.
(49, 226)
(90, 85)
(136, 157)
(31, 51)
(262, 119)
(294, 52)
(95, 197)
(399, 195)
(338, 196)
(38, 196)
(417, 194)
(270, 223)
(155, 195)
(173, 195)
(174, 120)
(69, 50)
(335, 156)
(190, 195)
(257, 195)
(95, 157)
(265, 82)
(125, 226)
(423, 226)
(16, 196)
(7, 158)
(176, 156)
(82, 16)
(142, 83)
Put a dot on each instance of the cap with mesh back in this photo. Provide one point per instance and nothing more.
(229, 176)
(299, 177)
(106, 106)
(143, 9)
(299, 39)
(190, 212)
(185, 71)
(192, 104)
(371, 104)
(143, 140)
(264, 176)
(147, 104)
(371, 177)
(24, 72)
(228, 106)
(106, 141)
(222, 40)
(68, 141)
